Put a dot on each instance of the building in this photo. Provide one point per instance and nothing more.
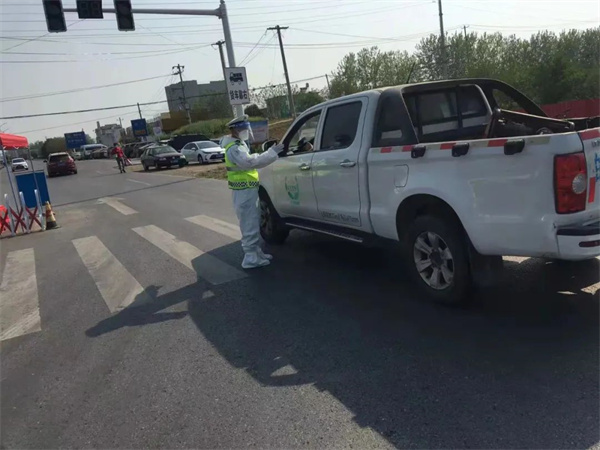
(193, 93)
(108, 134)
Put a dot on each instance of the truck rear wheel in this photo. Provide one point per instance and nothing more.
(436, 252)
(272, 228)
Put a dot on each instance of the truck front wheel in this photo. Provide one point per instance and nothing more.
(272, 228)
(436, 252)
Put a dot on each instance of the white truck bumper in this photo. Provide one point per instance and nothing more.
(578, 242)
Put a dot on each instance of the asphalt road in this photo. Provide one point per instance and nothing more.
(140, 330)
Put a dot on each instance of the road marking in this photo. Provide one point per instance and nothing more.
(117, 286)
(19, 304)
(140, 182)
(219, 226)
(207, 266)
(116, 204)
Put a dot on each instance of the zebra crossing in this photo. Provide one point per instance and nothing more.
(19, 300)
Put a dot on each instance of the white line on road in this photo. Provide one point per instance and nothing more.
(207, 266)
(19, 304)
(116, 204)
(117, 286)
(219, 226)
(140, 182)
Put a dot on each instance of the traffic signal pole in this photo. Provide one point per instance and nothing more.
(220, 12)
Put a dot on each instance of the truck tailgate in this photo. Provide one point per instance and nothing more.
(591, 146)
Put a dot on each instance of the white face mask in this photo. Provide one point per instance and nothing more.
(244, 135)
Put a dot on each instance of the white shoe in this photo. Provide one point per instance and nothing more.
(253, 260)
(264, 255)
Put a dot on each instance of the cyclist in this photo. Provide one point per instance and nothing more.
(120, 157)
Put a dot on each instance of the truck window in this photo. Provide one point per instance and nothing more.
(457, 113)
(305, 129)
(341, 124)
(392, 127)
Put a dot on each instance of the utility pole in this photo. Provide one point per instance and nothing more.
(465, 29)
(442, 39)
(140, 111)
(120, 123)
(285, 70)
(328, 86)
(223, 65)
(179, 72)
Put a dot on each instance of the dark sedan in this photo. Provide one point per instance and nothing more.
(60, 164)
(161, 156)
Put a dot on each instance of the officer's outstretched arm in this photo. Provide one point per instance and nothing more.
(244, 160)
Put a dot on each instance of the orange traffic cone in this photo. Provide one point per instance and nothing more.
(50, 219)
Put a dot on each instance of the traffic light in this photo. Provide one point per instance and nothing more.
(89, 9)
(55, 16)
(124, 15)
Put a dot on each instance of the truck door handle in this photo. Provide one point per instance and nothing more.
(304, 166)
(347, 163)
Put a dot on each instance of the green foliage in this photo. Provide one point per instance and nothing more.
(548, 67)
(53, 145)
(305, 100)
(212, 107)
(370, 68)
(214, 128)
(253, 110)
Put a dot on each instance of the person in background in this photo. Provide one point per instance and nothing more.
(242, 178)
(119, 156)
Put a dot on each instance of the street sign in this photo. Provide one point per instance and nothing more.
(75, 140)
(138, 127)
(89, 9)
(237, 85)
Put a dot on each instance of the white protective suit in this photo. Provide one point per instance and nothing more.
(245, 201)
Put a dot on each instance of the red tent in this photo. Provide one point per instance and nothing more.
(11, 141)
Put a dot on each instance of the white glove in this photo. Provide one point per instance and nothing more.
(279, 148)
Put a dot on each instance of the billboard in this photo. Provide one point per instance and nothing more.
(138, 127)
(75, 140)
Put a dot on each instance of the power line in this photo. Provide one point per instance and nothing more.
(70, 91)
(241, 63)
(134, 105)
(61, 61)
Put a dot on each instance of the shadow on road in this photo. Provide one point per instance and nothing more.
(520, 369)
(129, 191)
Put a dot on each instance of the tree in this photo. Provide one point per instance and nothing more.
(53, 145)
(370, 68)
(253, 111)
(304, 100)
(214, 106)
(548, 67)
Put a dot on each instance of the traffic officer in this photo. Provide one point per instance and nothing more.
(242, 178)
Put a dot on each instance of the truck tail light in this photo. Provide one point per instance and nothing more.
(570, 183)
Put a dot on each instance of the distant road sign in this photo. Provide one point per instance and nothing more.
(237, 85)
(75, 140)
(138, 126)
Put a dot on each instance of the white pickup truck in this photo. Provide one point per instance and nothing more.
(445, 170)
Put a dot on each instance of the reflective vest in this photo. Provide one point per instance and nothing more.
(238, 178)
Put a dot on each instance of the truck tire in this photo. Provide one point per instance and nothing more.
(436, 253)
(272, 228)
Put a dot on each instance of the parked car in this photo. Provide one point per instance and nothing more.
(60, 164)
(161, 156)
(100, 153)
(203, 152)
(440, 168)
(88, 149)
(76, 155)
(18, 164)
(177, 142)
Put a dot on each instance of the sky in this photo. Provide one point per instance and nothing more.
(36, 65)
